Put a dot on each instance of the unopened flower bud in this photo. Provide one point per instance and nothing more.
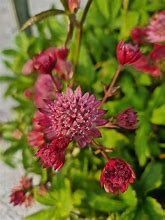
(127, 119)
(73, 5)
(127, 53)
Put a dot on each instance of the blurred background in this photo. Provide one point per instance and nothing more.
(11, 16)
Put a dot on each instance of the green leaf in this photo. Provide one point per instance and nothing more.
(154, 209)
(47, 214)
(129, 197)
(151, 177)
(41, 16)
(105, 203)
(141, 140)
(158, 116)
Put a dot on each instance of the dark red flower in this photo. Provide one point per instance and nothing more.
(127, 53)
(116, 176)
(146, 64)
(37, 119)
(53, 153)
(36, 138)
(155, 31)
(127, 119)
(158, 53)
(73, 115)
(138, 35)
(17, 197)
(73, 5)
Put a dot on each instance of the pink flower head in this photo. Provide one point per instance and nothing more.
(35, 138)
(44, 88)
(53, 154)
(73, 5)
(147, 65)
(26, 182)
(156, 29)
(74, 116)
(127, 119)
(116, 176)
(17, 197)
(158, 53)
(52, 59)
(138, 35)
(127, 53)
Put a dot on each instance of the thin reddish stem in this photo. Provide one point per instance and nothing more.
(109, 92)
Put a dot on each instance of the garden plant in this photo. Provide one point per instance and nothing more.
(89, 114)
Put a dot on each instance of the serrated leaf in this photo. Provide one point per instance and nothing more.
(129, 197)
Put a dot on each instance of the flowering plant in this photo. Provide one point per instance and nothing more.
(86, 113)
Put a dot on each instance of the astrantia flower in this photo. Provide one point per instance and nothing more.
(158, 53)
(53, 154)
(36, 138)
(17, 197)
(156, 29)
(74, 116)
(138, 35)
(22, 193)
(127, 119)
(52, 59)
(26, 182)
(116, 176)
(127, 53)
(44, 88)
(147, 65)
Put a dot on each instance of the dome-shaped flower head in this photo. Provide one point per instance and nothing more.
(156, 29)
(17, 197)
(138, 35)
(116, 176)
(127, 119)
(53, 154)
(73, 5)
(74, 116)
(127, 53)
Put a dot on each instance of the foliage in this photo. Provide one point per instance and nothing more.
(75, 192)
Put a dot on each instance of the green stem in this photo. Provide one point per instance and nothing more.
(80, 32)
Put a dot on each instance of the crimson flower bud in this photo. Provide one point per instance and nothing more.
(73, 5)
(116, 176)
(127, 53)
(17, 197)
(127, 119)
(35, 138)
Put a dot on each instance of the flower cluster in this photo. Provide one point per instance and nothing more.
(49, 60)
(21, 194)
(154, 34)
